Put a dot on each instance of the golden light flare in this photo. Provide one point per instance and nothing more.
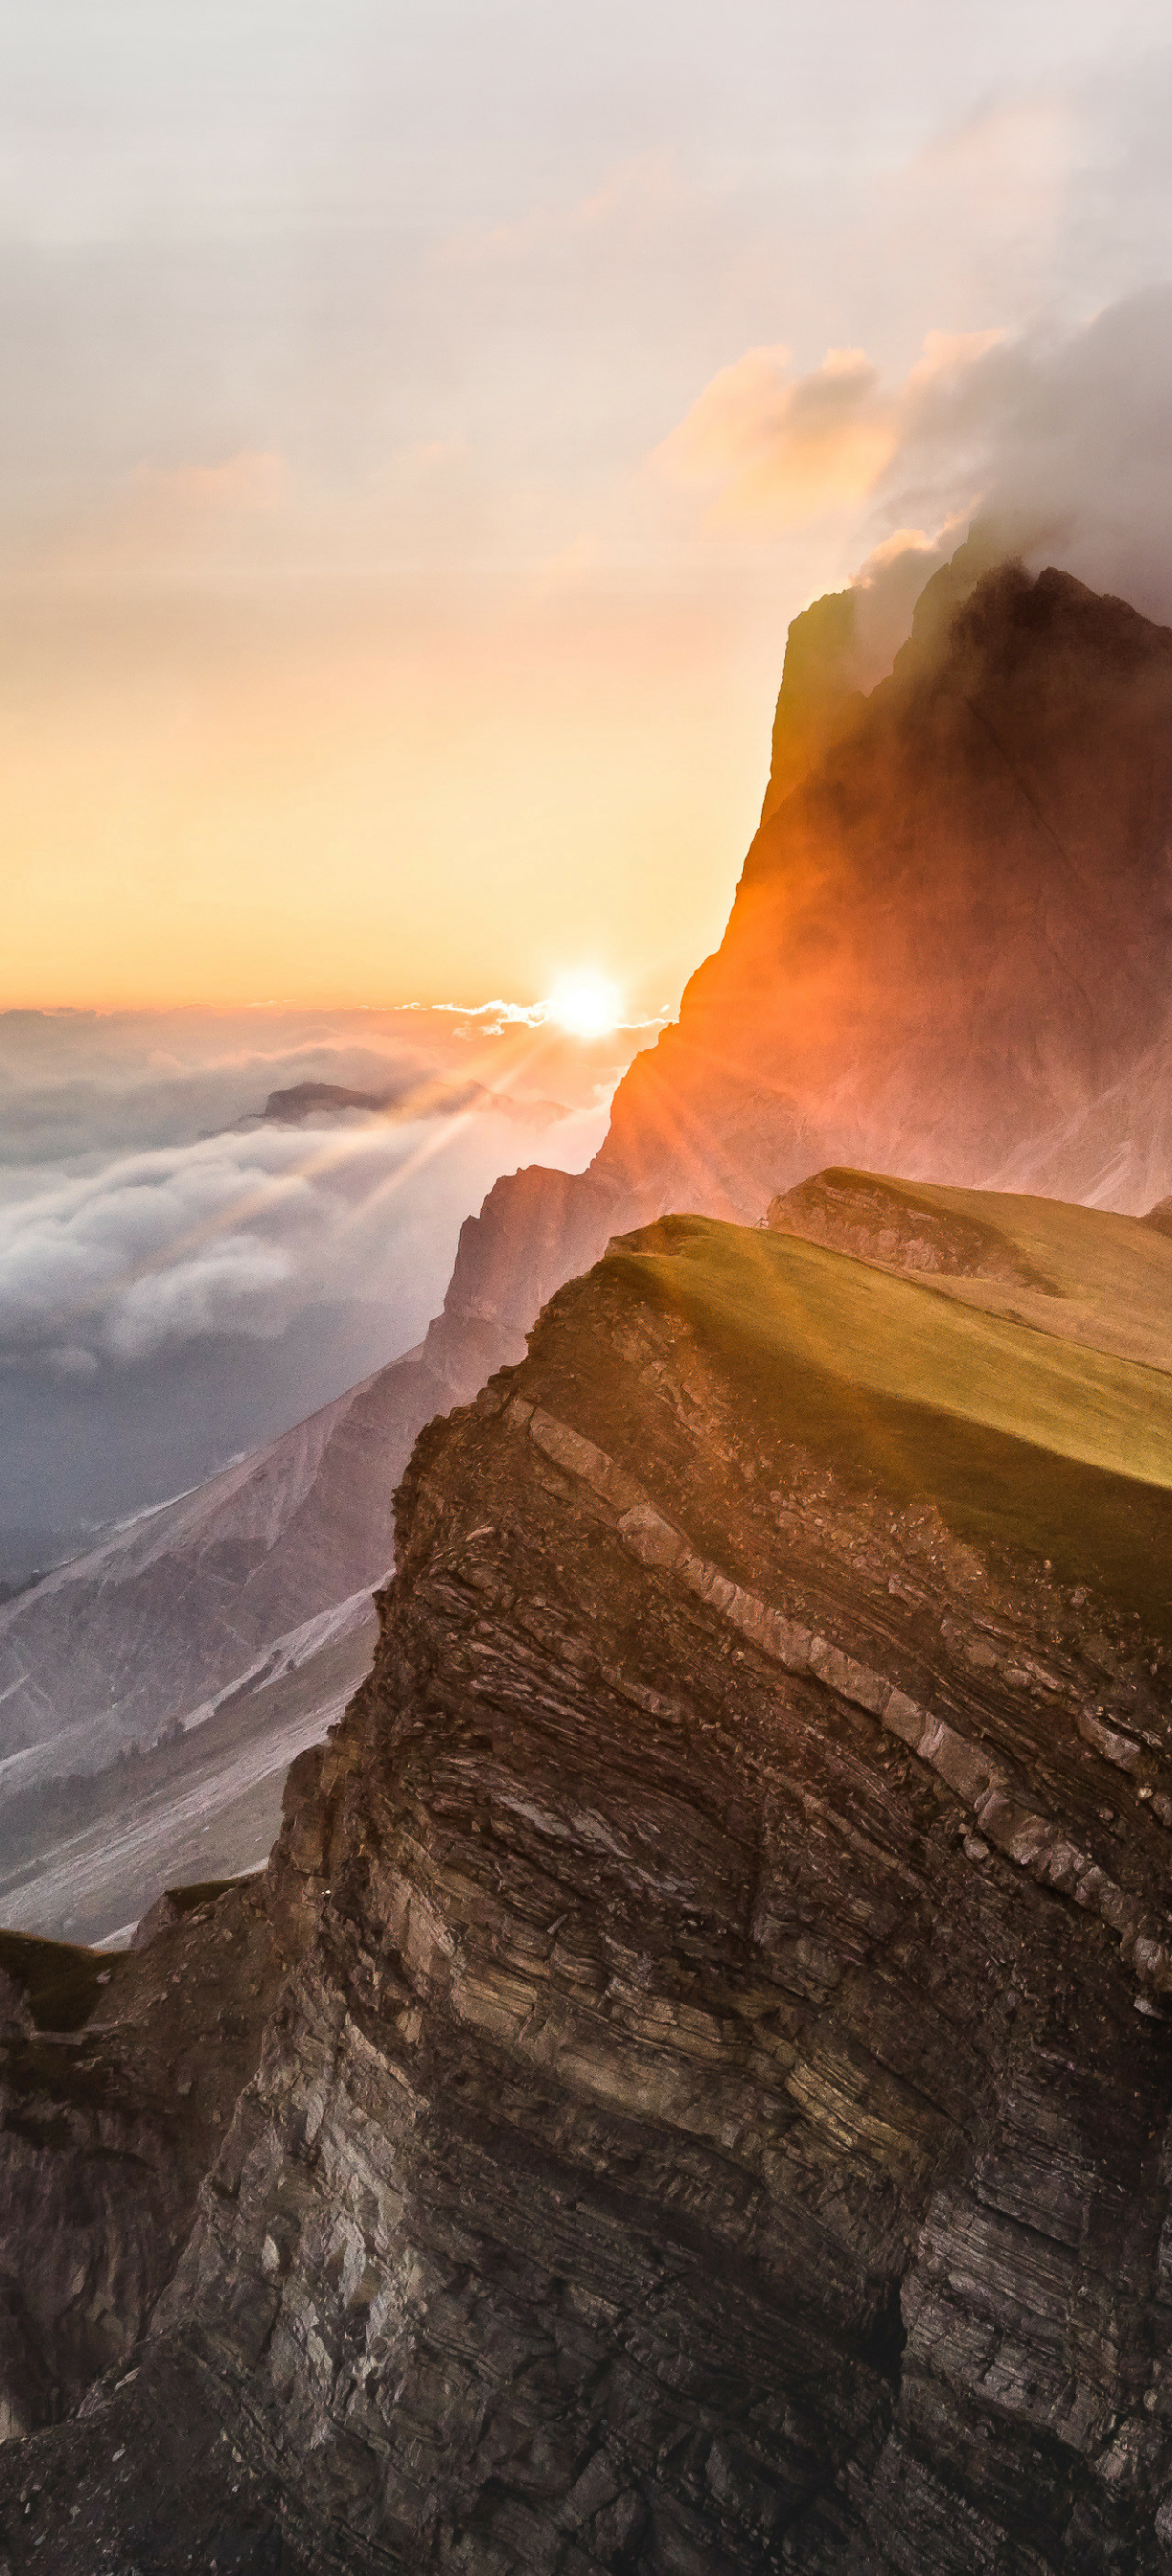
(585, 1004)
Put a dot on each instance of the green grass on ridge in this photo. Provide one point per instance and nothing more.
(1048, 1444)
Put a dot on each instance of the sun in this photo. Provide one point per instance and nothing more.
(586, 1005)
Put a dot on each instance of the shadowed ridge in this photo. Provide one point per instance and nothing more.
(717, 2117)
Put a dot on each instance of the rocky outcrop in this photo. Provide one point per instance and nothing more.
(717, 2116)
(951, 942)
(902, 1228)
(119, 2078)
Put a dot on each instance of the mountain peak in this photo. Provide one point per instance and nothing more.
(952, 939)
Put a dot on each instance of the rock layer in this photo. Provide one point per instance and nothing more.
(717, 2116)
(119, 2080)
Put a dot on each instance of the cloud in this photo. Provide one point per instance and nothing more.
(181, 1278)
(1054, 446)
(776, 450)
(129, 1233)
(768, 446)
(1052, 443)
(154, 1248)
(491, 1019)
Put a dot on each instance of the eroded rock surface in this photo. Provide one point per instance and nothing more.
(119, 2078)
(716, 2117)
(901, 1228)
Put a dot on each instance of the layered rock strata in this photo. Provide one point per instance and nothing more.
(119, 2078)
(717, 2116)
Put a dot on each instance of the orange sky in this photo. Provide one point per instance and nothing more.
(423, 430)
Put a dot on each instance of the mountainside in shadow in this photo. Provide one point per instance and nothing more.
(145, 1629)
(718, 2116)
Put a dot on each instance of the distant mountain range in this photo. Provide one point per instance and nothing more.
(949, 956)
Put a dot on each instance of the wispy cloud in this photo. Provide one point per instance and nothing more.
(776, 449)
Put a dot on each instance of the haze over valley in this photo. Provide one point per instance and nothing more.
(183, 1275)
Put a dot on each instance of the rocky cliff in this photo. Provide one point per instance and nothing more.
(949, 956)
(717, 2114)
(950, 948)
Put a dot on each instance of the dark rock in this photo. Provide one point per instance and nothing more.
(171, 1907)
(708, 2124)
(119, 2077)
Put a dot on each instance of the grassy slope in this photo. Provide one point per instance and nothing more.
(1018, 1434)
(1103, 1279)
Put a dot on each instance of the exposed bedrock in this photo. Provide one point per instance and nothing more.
(716, 2119)
(119, 2080)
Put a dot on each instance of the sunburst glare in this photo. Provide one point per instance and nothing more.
(585, 1004)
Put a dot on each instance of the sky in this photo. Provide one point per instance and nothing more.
(422, 423)
(424, 420)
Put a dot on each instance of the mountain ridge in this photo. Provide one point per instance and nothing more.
(949, 955)
(716, 2114)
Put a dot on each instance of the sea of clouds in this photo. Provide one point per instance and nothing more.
(182, 1275)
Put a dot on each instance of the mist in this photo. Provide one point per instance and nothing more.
(183, 1275)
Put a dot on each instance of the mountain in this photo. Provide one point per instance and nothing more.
(949, 955)
(147, 1628)
(715, 2116)
(435, 1097)
(154, 1691)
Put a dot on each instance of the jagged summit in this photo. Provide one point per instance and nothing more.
(949, 954)
(950, 949)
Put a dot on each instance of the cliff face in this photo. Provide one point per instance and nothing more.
(949, 956)
(717, 2118)
(949, 953)
(119, 2077)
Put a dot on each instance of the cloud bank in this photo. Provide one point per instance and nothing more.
(180, 1276)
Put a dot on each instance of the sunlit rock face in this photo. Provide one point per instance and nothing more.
(950, 950)
(717, 2116)
(949, 956)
